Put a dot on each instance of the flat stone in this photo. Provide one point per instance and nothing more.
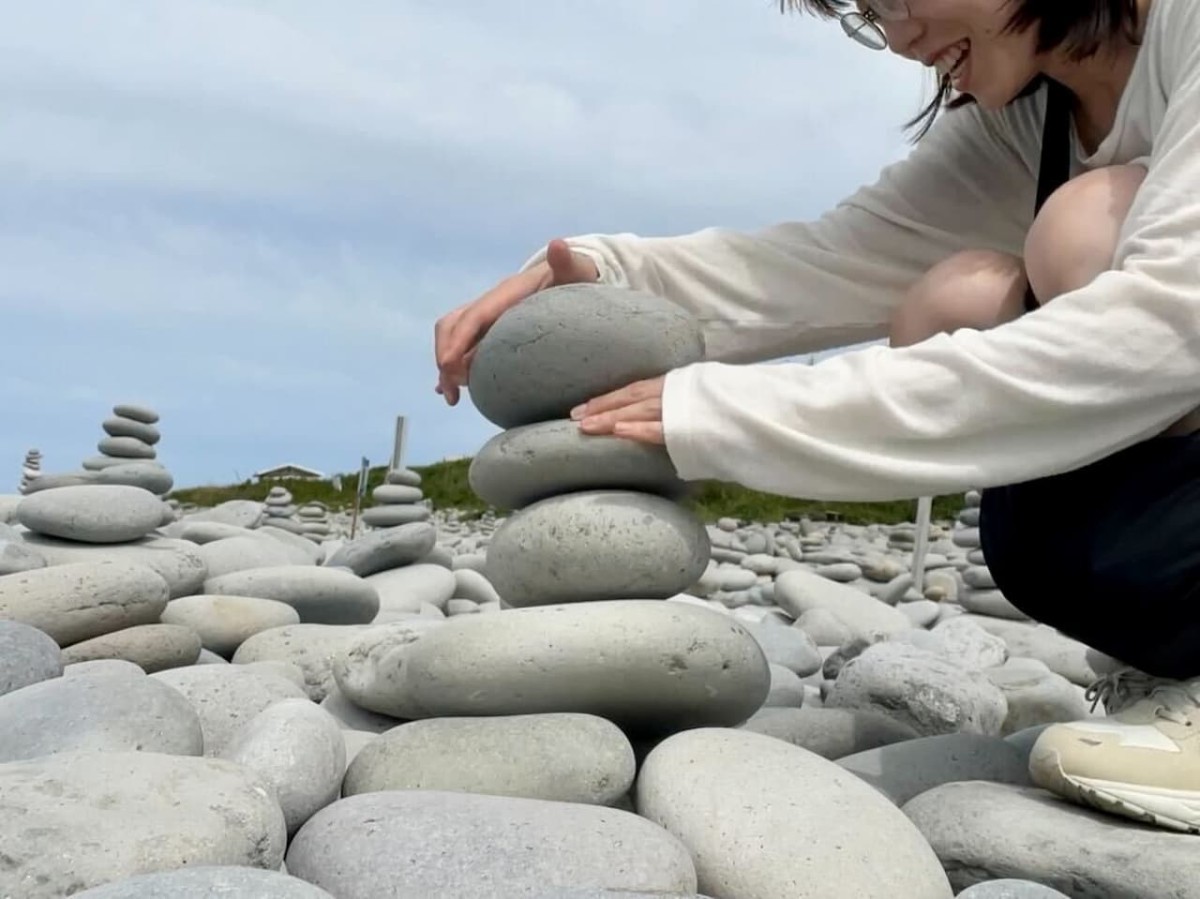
(473, 586)
(394, 516)
(175, 561)
(296, 749)
(394, 494)
(99, 463)
(787, 690)
(319, 595)
(762, 818)
(1061, 654)
(531, 463)
(798, 591)
(560, 757)
(59, 479)
(97, 712)
(922, 613)
(352, 717)
(982, 831)
(27, 656)
(787, 646)
(904, 770)
(76, 602)
(241, 512)
(76, 820)
(408, 588)
(385, 549)
(149, 476)
(602, 545)
(202, 532)
(459, 844)
(1010, 889)
(125, 448)
(120, 426)
(646, 665)
(830, 733)
(310, 647)
(990, 602)
(152, 647)
(207, 882)
(92, 513)
(1035, 695)
(405, 476)
(232, 554)
(824, 627)
(144, 414)
(223, 623)
(103, 666)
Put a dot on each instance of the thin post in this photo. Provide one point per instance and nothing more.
(921, 547)
(359, 492)
(398, 445)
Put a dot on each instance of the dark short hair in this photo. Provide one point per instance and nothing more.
(1081, 28)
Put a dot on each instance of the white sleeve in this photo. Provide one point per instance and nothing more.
(1096, 370)
(804, 287)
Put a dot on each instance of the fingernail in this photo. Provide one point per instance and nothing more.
(577, 412)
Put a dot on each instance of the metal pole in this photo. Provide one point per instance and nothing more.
(359, 492)
(398, 445)
(921, 547)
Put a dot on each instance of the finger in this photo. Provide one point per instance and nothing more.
(606, 422)
(642, 432)
(468, 324)
(567, 266)
(625, 396)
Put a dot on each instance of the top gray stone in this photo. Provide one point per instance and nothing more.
(137, 413)
(119, 426)
(568, 344)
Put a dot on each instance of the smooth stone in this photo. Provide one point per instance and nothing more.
(120, 426)
(407, 589)
(842, 572)
(103, 666)
(99, 463)
(310, 647)
(922, 613)
(395, 516)
(144, 414)
(244, 513)
(225, 697)
(152, 647)
(601, 545)
(1061, 654)
(646, 665)
(961, 640)
(990, 602)
(459, 844)
(27, 656)
(224, 623)
(904, 770)
(979, 578)
(404, 476)
(73, 603)
(8, 507)
(175, 561)
(830, 733)
(931, 694)
(125, 448)
(982, 831)
(149, 476)
(296, 542)
(208, 882)
(296, 749)
(202, 532)
(16, 557)
(531, 463)
(319, 595)
(233, 554)
(352, 717)
(385, 549)
(1035, 695)
(824, 627)
(356, 741)
(1011, 889)
(797, 592)
(391, 494)
(439, 555)
(787, 690)
(787, 646)
(763, 818)
(559, 757)
(569, 344)
(60, 479)
(76, 820)
(471, 585)
(461, 607)
(92, 513)
(97, 712)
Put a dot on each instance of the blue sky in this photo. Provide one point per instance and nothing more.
(249, 214)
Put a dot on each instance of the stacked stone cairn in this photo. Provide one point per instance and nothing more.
(979, 593)
(31, 470)
(314, 521)
(588, 694)
(280, 510)
(398, 500)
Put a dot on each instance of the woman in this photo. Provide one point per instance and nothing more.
(1052, 359)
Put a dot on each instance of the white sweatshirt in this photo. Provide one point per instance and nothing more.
(1092, 372)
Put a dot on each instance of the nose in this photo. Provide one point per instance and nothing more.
(902, 36)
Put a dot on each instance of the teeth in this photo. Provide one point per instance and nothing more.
(948, 61)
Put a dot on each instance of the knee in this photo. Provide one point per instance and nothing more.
(1074, 237)
(972, 289)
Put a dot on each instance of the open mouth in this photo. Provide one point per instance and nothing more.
(953, 63)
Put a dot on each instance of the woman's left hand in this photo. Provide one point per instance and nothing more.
(634, 411)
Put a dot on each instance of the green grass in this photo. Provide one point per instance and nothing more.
(445, 483)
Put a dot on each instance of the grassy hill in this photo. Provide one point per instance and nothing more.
(445, 483)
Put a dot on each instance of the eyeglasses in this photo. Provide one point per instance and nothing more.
(863, 26)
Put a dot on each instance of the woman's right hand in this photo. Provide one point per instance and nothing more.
(457, 334)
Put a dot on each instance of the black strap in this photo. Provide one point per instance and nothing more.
(1054, 169)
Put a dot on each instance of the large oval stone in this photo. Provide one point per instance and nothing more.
(224, 623)
(81, 819)
(27, 656)
(120, 426)
(647, 665)
(600, 545)
(208, 882)
(763, 818)
(319, 595)
(152, 647)
(148, 475)
(385, 549)
(76, 602)
(458, 844)
(310, 647)
(92, 513)
(569, 344)
(175, 560)
(530, 463)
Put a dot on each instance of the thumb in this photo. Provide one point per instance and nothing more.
(567, 267)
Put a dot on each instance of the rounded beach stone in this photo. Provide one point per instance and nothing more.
(473, 586)
(310, 647)
(296, 748)
(569, 344)
(81, 819)
(319, 595)
(830, 733)
(148, 476)
(407, 588)
(152, 647)
(207, 882)
(394, 516)
(530, 463)
(175, 560)
(561, 757)
(787, 690)
(92, 513)
(15, 556)
(352, 717)
(144, 414)
(125, 448)
(97, 712)
(405, 476)
(982, 831)
(245, 553)
(120, 426)
(787, 646)
(649, 666)
(388, 494)
(27, 656)
(385, 549)
(1011, 889)
(1035, 695)
(224, 623)
(76, 602)
(798, 591)
(455, 842)
(743, 803)
(598, 545)
(103, 666)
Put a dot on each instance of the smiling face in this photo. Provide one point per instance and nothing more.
(967, 39)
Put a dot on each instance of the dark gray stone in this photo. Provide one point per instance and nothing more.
(92, 513)
(27, 656)
(120, 426)
(125, 448)
(569, 344)
(830, 733)
(385, 549)
(147, 475)
(530, 463)
(144, 414)
(319, 595)
(208, 882)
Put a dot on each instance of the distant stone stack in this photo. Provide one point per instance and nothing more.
(979, 594)
(280, 510)
(314, 521)
(127, 451)
(398, 501)
(31, 470)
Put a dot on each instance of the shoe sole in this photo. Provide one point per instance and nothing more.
(1177, 810)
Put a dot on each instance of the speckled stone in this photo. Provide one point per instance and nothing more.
(92, 513)
(208, 882)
